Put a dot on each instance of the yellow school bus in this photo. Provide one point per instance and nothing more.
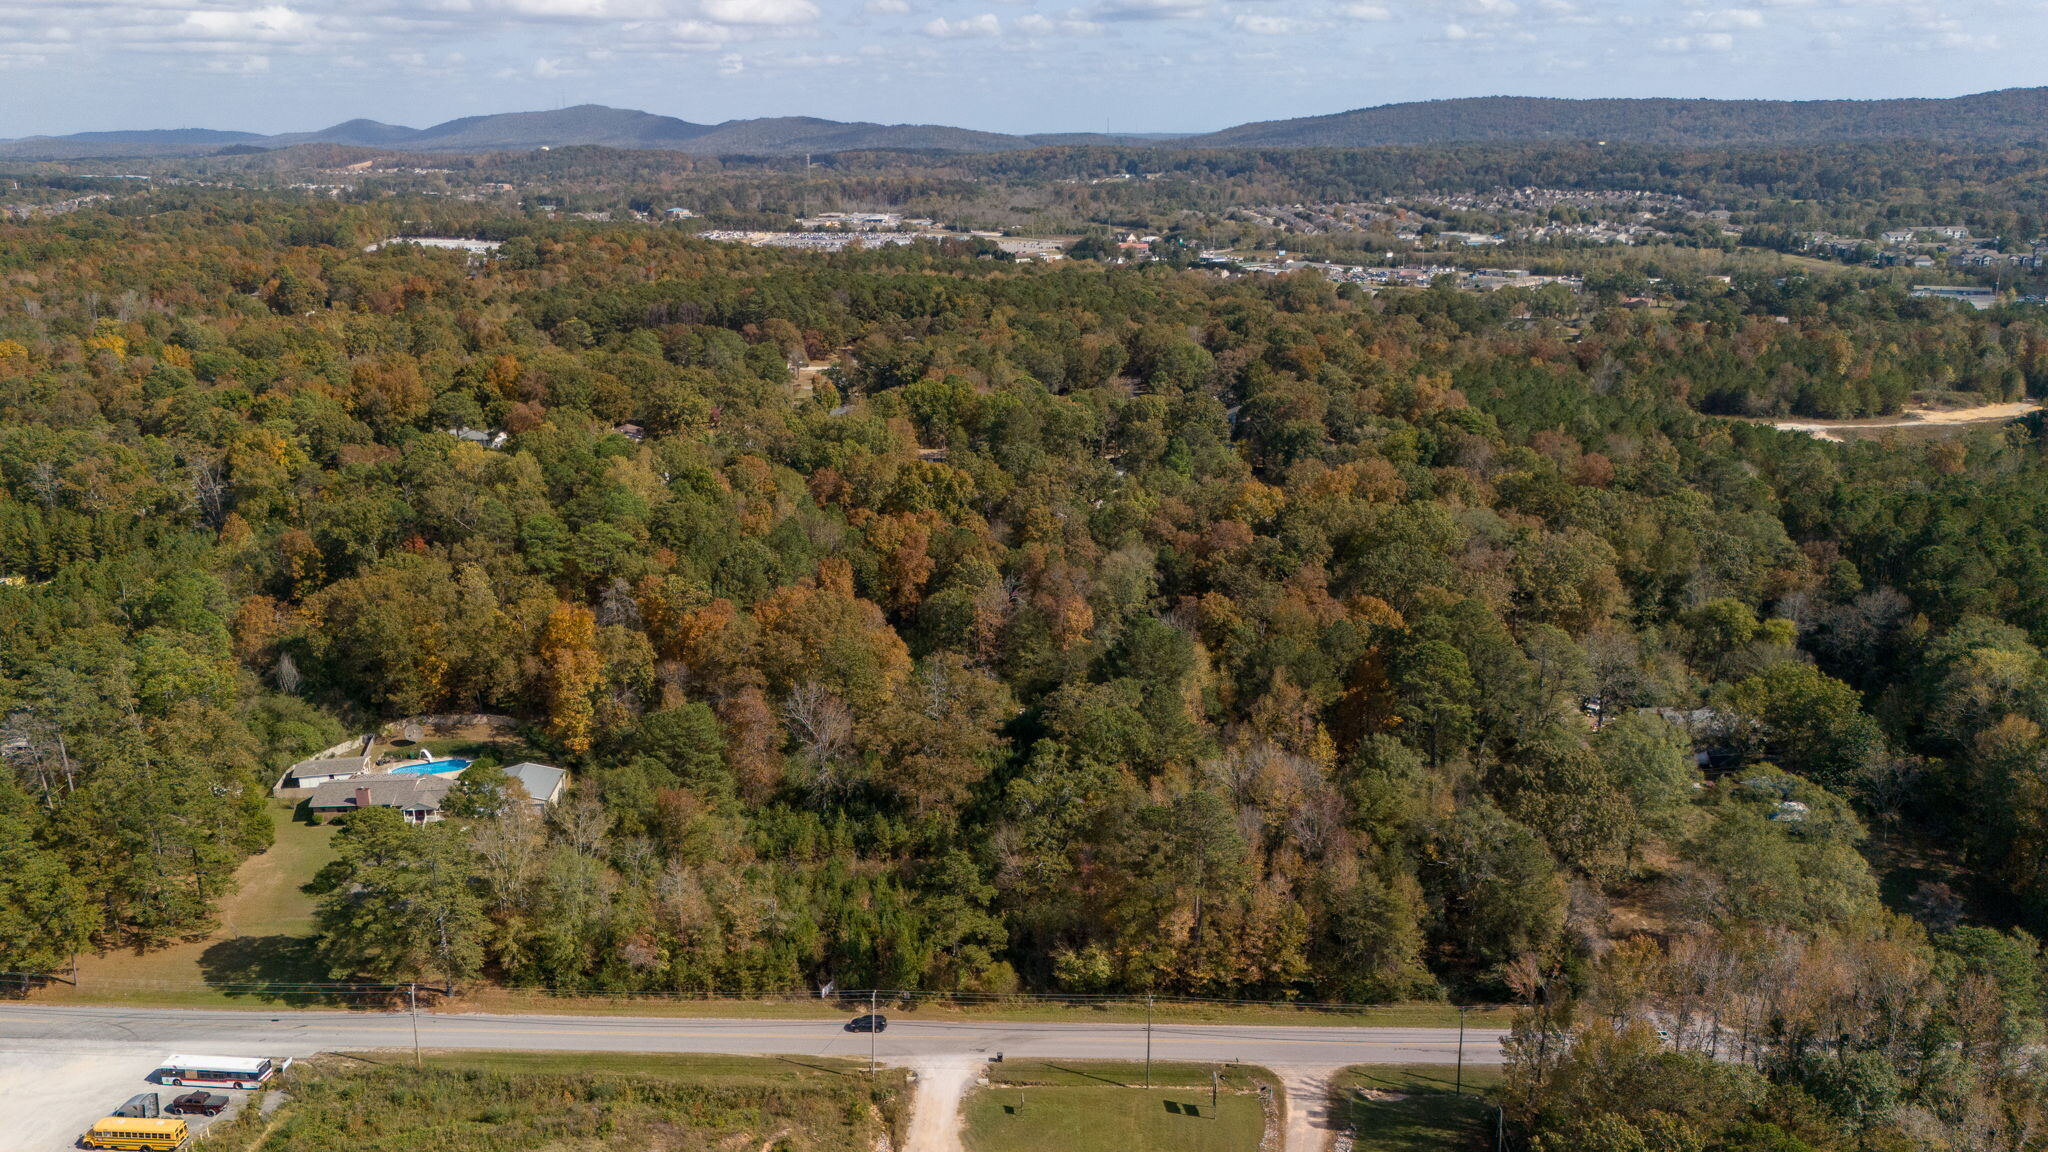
(137, 1135)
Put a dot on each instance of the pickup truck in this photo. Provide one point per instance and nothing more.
(198, 1104)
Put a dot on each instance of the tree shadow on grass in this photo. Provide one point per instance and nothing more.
(1083, 1072)
(275, 970)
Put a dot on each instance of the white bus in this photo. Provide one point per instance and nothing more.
(219, 1071)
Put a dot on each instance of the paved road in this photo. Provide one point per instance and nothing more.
(39, 1027)
(100, 1055)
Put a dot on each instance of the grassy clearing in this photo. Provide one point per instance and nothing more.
(1091, 1106)
(515, 1102)
(1415, 1108)
(1125, 1074)
(264, 934)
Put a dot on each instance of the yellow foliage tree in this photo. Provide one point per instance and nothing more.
(570, 670)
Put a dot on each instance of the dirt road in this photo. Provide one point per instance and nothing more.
(1911, 418)
(1309, 1126)
(935, 1119)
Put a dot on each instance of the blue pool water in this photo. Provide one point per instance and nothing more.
(430, 768)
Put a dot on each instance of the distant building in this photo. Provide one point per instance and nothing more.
(489, 438)
(1975, 297)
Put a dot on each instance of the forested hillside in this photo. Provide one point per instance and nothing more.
(1084, 629)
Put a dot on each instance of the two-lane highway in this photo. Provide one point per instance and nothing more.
(30, 1027)
(79, 1061)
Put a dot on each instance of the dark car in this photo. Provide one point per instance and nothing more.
(197, 1104)
(873, 1022)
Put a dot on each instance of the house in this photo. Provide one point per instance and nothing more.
(418, 798)
(320, 769)
(490, 439)
(541, 782)
(314, 773)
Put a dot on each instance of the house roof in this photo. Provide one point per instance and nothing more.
(412, 793)
(540, 780)
(330, 766)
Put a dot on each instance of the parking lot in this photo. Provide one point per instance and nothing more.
(60, 1094)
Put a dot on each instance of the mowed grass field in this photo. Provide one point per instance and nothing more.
(1415, 1108)
(264, 936)
(1057, 1106)
(529, 1102)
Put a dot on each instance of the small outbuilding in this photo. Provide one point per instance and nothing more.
(542, 782)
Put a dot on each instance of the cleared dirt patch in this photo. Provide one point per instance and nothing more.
(1840, 430)
(935, 1120)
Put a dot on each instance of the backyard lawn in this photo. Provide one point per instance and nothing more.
(1089, 1107)
(265, 934)
(1415, 1108)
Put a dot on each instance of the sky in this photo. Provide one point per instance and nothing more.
(999, 65)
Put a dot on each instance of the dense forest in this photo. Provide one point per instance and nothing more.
(1082, 629)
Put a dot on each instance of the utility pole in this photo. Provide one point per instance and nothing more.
(873, 1027)
(413, 993)
(1148, 1041)
(1215, 1090)
(1461, 1049)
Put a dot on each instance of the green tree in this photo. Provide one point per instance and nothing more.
(401, 903)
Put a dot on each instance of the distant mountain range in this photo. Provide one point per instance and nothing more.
(2014, 114)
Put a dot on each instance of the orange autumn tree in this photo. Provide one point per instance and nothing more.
(821, 631)
(569, 672)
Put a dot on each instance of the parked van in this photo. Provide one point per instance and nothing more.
(162, 1134)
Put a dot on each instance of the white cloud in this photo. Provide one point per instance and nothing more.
(777, 13)
(1261, 25)
(1074, 23)
(275, 24)
(1364, 11)
(1687, 45)
(966, 27)
(887, 8)
(685, 34)
(731, 64)
(1727, 18)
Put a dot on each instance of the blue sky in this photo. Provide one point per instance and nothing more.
(1004, 65)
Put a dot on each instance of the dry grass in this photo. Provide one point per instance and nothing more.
(264, 934)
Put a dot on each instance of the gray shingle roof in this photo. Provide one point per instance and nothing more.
(412, 793)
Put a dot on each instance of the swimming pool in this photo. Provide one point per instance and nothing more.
(430, 768)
